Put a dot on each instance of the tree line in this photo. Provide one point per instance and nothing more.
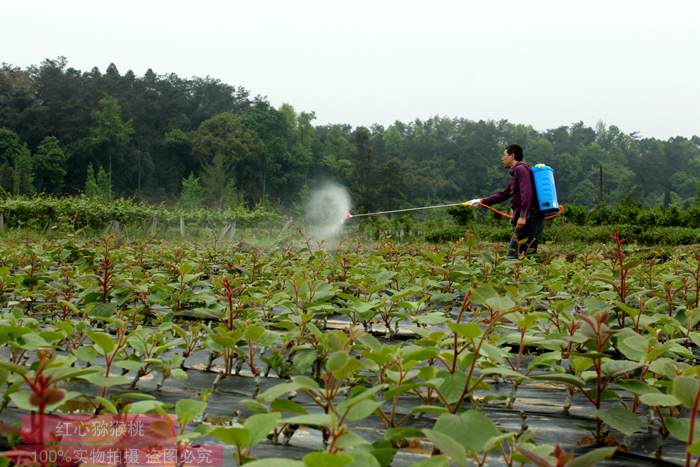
(202, 142)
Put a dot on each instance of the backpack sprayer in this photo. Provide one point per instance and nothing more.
(547, 203)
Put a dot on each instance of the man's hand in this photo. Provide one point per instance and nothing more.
(521, 223)
(473, 202)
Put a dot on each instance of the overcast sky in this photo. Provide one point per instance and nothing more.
(634, 64)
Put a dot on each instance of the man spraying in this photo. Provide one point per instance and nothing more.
(527, 221)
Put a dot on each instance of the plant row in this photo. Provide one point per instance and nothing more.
(615, 328)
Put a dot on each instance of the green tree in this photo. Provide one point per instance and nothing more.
(91, 190)
(219, 186)
(97, 186)
(110, 135)
(104, 184)
(49, 166)
(23, 173)
(333, 153)
(225, 148)
(11, 148)
(192, 193)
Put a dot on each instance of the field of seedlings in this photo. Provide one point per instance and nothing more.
(356, 354)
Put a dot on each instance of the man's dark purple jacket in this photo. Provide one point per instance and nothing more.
(520, 188)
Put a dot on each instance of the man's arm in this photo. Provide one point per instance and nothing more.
(501, 195)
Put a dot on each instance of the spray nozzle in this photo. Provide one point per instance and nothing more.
(348, 216)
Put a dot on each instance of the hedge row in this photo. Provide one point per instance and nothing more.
(85, 212)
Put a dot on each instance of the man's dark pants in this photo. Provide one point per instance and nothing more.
(525, 240)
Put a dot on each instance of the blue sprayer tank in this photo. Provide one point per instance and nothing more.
(543, 176)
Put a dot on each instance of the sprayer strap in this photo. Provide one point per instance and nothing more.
(561, 210)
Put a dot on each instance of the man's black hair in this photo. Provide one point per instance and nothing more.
(516, 150)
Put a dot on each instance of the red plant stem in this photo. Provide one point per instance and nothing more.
(620, 260)
(691, 430)
(465, 304)
(229, 299)
(697, 281)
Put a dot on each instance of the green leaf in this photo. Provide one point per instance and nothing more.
(361, 457)
(592, 458)
(694, 448)
(234, 436)
(664, 366)
(103, 340)
(580, 363)
(188, 409)
(137, 396)
(102, 310)
(502, 372)
(492, 352)
(545, 360)
(284, 405)
(275, 462)
(453, 386)
(142, 407)
(363, 409)
(432, 318)
(86, 353)
(621, 419)
(360, 396)
(98, 379)
(261, 425)
(428, 409)
(634, 347)
(276, 391)
(401, 389)
(434, 461)
(21, 400)
(129, 364)
(472, 429)
(466, 330)
(305, 382)
(393, 434)
(421, 354)
(315, 419)
(448, 445)
(254, 332)
(350, 441)
(304, 360)
(695, 337)
(59, 374)
(659, 400)
(371, 342)
(685, 388)
(502, 303)
(680, 428)
(497, 441)
(324, 459)
(619, 367)
(384, 452)
(482, 293)
(637, 387)
(537, 458)
(337, 361)
(32, 341)
(108, 406)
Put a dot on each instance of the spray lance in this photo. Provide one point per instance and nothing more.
(471, 203)
(349, 216)
(543, 177)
